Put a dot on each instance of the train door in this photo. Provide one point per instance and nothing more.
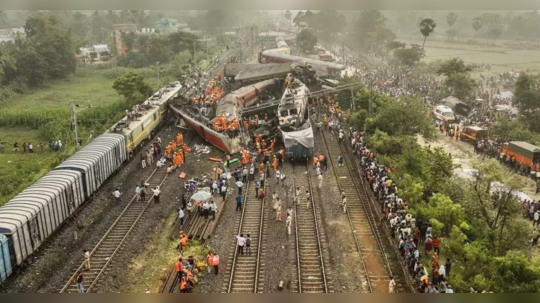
(35, 235)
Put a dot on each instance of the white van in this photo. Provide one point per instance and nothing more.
(443, 113)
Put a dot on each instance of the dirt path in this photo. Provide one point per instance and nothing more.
(463, 154)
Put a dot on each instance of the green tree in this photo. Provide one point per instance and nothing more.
(183, 41)
(129, 39)
(527, 94)
(358, 119)
(477, 25)
(367, 23)
(427, 26)
(160, 50)
(407, 116)
(7, 62)
(496, 210)
(381, 36)
(327, 23)
(453, 66)
(451, 18)
(80, 25)
(132, 87)
(514, 273)
(457, 78)
(307, 40)
(462, 86)
(288, 16)
(298, 18)
(494, 33)
(408, 56)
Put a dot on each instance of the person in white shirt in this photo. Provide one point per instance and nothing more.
(344, 204)
(241, 243)
(320, 177)
(206, 209)
(156, 194)
(213, 209)
(215, 188)
(252, 171)
(278, 175)
(278, 210)
(392, 285)
(181, 216)
(240, 185)
(288, 222)
(117, 194)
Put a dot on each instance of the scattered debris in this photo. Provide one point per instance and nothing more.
(202, 149)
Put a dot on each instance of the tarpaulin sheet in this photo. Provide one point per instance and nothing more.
(303, 137)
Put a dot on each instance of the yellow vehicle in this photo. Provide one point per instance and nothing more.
(443, 113)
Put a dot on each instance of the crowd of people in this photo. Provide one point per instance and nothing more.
(408, 232)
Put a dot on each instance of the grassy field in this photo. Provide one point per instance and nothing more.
(502, 58)
(88, 86)
(19, 169)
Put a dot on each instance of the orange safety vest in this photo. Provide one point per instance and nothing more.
(183, 241)
(183, 284)
(216, 260)
(321, 158)
(209, 259)
(314, 160)
(179, 266)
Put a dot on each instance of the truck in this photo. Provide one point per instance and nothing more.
(523, 152)
(473, 133)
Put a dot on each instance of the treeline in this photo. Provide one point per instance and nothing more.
(145, 50)
(46, 52)
(484, 234)
(490, 25)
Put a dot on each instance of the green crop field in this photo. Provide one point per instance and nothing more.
(87, 86)
(502, 58)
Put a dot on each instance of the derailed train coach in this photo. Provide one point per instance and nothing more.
(39, 210)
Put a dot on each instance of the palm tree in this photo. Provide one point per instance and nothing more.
(298, 18)
(451, 18)
(477, 25)
(426, 27)
(288, 16)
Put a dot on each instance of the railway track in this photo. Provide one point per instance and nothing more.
(245, 271)
(369, 243)
(312, 274)
(102, 255)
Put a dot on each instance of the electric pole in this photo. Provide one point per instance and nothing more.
(74, 123)
(157, 68)
(252, 42)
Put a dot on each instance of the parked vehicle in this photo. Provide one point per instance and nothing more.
(473, 133)
(443, 113)
(525, 153)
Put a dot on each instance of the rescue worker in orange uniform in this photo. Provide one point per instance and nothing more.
(272, 145)
(261, 168)
(179, 139)
(179, 269)
(209, 260)
(216, 264)
(274, 163)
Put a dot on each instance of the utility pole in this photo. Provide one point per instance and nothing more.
(370, 97)
(252, 41)
(74, 123)
(343, 52)
(157, 68)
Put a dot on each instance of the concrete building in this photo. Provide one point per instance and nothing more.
(119, 47)
(9, 34)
